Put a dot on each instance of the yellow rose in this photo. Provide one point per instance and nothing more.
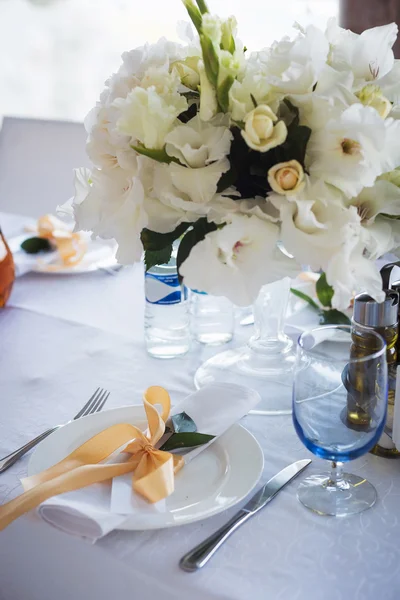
(260, 132)
(286, 177)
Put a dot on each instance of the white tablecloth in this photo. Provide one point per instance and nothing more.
(61, 337)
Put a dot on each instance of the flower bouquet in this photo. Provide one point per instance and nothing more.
(259, 162)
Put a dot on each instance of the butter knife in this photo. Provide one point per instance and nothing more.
(201, 554)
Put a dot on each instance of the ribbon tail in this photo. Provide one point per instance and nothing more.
(67, 482)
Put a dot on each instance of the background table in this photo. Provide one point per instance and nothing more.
(61, 337)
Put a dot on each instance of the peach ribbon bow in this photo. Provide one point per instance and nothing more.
(71, 246)
(153, 470)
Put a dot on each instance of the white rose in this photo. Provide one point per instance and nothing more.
(286, 177)
(260, 133)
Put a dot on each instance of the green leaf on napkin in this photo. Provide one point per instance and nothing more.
(183, 423)
(186, 440)
(34, 245)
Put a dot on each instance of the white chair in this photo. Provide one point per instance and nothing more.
(36, 162)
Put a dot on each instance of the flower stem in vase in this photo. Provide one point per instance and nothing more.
(266, 362)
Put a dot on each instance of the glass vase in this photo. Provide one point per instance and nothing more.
(266, 363)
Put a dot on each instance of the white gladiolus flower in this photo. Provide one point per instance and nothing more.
(353, 149)
(197, 144)
(369, 55)
(371, 95)
(237, 260)
(211, 27)
(260, 131)
(293, 67)
(111, 205)
(253, 84)
(382, 197)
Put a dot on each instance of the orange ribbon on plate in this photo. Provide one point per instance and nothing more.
(153, 470)
(71, 246)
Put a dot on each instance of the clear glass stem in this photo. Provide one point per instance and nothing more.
(336, 478)
(269, 319)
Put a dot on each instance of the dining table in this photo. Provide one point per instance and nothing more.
(64, 335)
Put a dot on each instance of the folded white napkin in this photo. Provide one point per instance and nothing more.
(94, 511)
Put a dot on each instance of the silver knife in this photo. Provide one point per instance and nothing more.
(201, 554)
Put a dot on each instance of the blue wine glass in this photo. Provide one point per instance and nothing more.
(339, 412)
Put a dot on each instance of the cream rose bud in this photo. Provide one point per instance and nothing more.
(286, 177)
(260, 132)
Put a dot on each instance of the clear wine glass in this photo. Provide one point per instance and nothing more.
(339, 412)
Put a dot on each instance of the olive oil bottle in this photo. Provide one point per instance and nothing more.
(368, 316)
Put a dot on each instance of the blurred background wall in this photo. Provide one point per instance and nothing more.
(56, 54)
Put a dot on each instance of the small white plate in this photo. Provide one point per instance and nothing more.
(100, 254)
(220, 477)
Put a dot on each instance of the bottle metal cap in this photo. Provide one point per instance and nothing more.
(376, 314)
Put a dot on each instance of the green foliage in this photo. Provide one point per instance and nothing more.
(160, 155)
(202, 6)
(34, 245)
(178, 441)
(333, 317)
(327, 314)
(223, 92)
(157, 257)
(306, 298)
(152, 240)
(197, 233)
(324, 291)
(194, 14)
(210, 59)
(189, 113)
(182, 423)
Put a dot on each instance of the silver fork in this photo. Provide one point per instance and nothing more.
(93, 405)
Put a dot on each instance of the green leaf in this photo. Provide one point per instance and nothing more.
(202, 6)
(153, 240)
(186, 440)
(157, 257)
(223, 92)
(324, 291)
(188, 114)
(183, 423)
(210, 59)
(191, 238)
(159, 155)
(194, 14)
(34, 245)
(306, 298)
(333, 317)
(254, 101)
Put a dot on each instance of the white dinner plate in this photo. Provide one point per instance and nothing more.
(218, 478)
(100, 254)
